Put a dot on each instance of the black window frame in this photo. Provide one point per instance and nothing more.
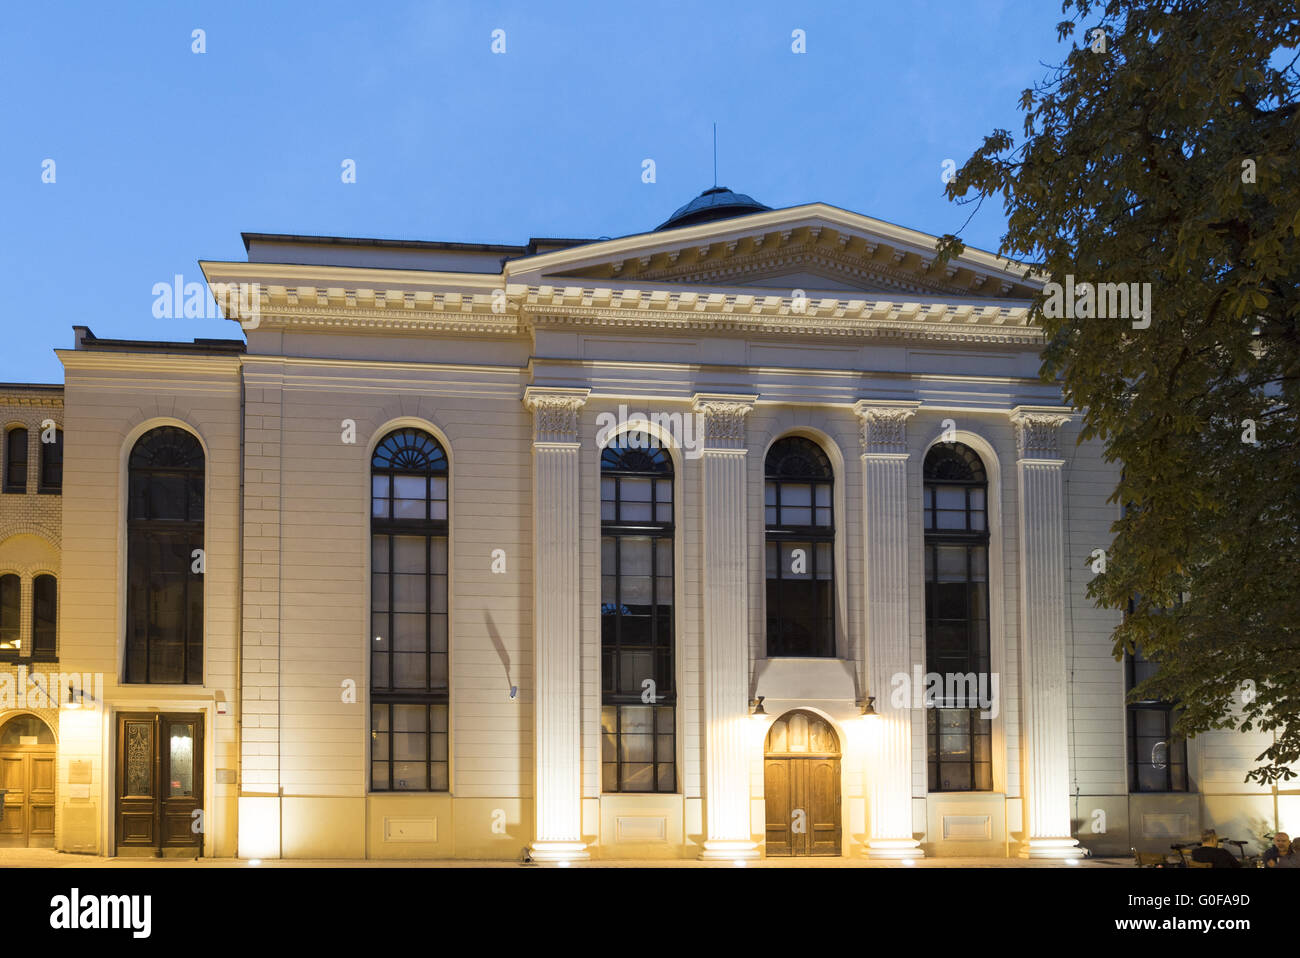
(11, 614)
(798, 461)
(51, 463)
(164, 462)
(950, 465)
(16, 459)
(634, 456)
(45, 633)
(1175, 781)
(410, 453)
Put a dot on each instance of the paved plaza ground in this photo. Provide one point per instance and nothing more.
(45, 858)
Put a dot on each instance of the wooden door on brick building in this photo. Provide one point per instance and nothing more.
(27, 763)
(801, 786)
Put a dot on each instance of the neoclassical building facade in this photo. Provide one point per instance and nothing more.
(756, 534)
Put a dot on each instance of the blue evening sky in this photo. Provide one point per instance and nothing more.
(162, 156)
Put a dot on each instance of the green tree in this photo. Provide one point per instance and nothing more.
(1166, 150)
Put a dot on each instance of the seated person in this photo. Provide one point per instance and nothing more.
(1281, 854)
(1209, 851)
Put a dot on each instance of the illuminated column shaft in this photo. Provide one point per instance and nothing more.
(889, 736)
(557, 728)
(1042, 618)
(728, 834)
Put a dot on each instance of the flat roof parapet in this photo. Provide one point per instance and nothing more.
(85, 339)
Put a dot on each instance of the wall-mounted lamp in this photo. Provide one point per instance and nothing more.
(76, 701)
(869, 709)
(756, 709)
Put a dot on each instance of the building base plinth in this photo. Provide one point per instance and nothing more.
(894, 848)
(720, 851)
(1052, 848)
(559, 851)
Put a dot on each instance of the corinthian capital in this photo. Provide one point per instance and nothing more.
(884, 425)
(1037, 430)
(724, 418)
(555, 412)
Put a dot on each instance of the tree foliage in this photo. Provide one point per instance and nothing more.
(1172, 157)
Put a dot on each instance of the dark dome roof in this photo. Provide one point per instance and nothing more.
(718, 203)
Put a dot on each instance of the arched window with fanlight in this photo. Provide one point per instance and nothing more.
(409, 687)
(638, 688)
(959, 733)
(800, 559)
(165, 562)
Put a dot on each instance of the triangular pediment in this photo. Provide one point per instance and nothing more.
(815, 248)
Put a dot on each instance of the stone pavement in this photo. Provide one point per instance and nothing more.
(45, 858)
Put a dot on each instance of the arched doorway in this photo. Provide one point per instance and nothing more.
(801, 786)
(27, 761)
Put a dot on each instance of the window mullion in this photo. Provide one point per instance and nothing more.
(428, 614)
(618, 614)
(392, 617)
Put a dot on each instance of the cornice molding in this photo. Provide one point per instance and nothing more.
(919, 326)
(187, 363)
(19, 399)
(475, 319)
(515, 310)
(784, 223)
(765, 263)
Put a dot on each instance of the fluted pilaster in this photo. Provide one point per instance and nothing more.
(885, 555)
(557, 729)
(728, 834)
(1042, 617)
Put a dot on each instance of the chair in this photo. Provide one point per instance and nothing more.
(1191, 863)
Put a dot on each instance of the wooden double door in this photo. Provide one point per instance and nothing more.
(27, 791)
(801, 787)
(159, 784)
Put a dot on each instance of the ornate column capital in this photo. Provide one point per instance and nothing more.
(1037, 429)
(884, 425)
(724, 418)
(555, 413)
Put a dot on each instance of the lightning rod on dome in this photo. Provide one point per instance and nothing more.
(715, 154)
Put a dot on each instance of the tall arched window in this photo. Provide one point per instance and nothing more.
(165, 560)
(800, 549)
(15, 478)
(638, 692)
(960, 755)
(408, 611)
(45, 616)
(51, 463)
(11, 632)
